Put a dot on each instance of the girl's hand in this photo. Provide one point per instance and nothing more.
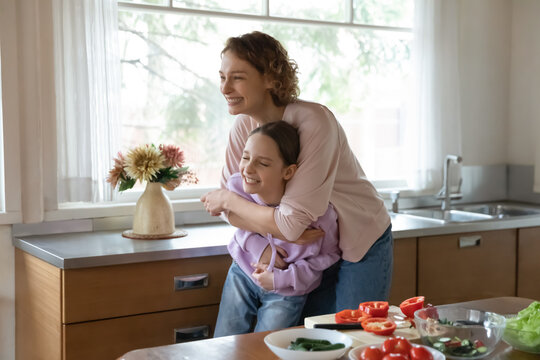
(214, 201)
(309, 236)
(279, 263)
(263, 277)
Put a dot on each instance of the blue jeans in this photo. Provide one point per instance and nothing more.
(247, 307)
(346, 284)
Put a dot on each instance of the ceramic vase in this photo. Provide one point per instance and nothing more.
(154, 215)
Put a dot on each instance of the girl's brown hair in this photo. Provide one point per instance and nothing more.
(270, 58)
(285, 136)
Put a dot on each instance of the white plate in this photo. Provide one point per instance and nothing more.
(278, 342)
(354, 354)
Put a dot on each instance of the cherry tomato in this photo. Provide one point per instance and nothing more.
(395, 356)
(409, 306)
(403, 346)
(349, 316)
(420, 353)
(371, 353)
(388, 345)
(375, 308)
(397, 345)
(379, 326)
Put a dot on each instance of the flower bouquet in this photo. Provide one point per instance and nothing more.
(164, 164)
(159, 167)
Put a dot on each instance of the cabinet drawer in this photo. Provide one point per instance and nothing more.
(464, 267)
(109, 339)
(130, 289)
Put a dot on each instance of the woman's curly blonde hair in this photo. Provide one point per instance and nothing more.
(270, 58)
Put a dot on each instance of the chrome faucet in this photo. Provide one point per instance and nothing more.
(394, 196)
(445, 194)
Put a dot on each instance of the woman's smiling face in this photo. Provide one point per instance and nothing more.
(263, 170)
(244, 88)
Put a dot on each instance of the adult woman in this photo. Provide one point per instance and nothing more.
(259, 83)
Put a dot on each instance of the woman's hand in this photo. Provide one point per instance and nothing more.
(263, 277)
(279, 263)
(215, 200)
(309, 236)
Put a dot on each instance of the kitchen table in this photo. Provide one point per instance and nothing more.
(252, 347)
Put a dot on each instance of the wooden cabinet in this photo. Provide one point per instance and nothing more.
(104, 312)
(462, 267)
(404, 273)
(528, 273)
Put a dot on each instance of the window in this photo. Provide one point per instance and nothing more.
(353, 56)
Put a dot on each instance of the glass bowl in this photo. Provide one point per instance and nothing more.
(522, 340)
(459, 333)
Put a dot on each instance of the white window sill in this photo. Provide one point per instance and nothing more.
(89, 211)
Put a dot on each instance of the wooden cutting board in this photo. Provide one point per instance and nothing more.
(361, 337)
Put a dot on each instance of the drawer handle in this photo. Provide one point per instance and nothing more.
(188, 282)
(469, 241)
(192, 333)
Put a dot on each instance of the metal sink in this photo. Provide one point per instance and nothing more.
(443, 216)
(500, 210)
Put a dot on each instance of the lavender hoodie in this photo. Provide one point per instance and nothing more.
(306, 262)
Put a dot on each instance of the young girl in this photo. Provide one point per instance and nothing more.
(271, 296)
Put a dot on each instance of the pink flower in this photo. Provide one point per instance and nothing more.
(189, 178)
(117, 171)
(174, 157)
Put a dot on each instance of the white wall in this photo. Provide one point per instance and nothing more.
(7, 295)
(525, 83)
(485, 34)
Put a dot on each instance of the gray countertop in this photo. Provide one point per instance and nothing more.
(88, 249)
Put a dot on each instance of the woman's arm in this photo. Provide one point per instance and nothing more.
(250, 216)
(242, 213)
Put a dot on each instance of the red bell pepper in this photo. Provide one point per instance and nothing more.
(409, 306)
(379, 326)
(349, 316)
(375, 308)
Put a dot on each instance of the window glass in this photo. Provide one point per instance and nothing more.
(310, 9)
(397, 13)
(238, 6)
(170, 85)
(148, 2)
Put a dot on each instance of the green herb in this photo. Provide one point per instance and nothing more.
(306, 344)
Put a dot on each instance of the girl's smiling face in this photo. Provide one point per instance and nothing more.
(244, 88)
(263, 170)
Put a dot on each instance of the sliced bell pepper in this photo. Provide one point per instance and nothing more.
(375, 308)
(409, 306)
(349, 316)
(379, 326)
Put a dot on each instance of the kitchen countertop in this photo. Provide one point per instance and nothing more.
(251, 346)
(101, 248)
